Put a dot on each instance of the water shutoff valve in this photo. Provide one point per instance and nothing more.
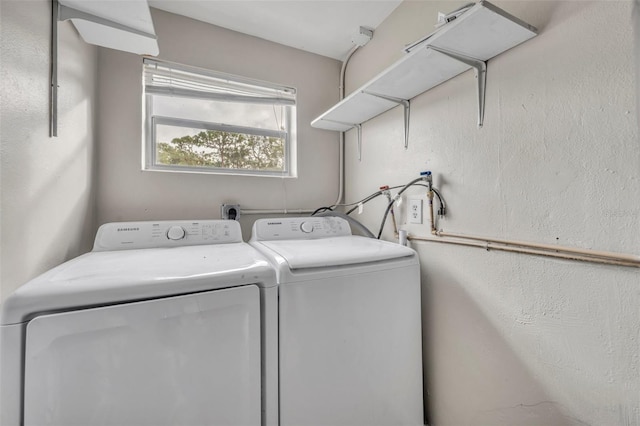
(428, 177)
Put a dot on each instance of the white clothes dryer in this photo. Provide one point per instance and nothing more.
(350, 341)
(159, 325)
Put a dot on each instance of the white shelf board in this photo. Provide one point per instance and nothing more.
(484, 31)
(321, 123)
(123, 25)
(417, 72)
(480, 33)
(358, 107)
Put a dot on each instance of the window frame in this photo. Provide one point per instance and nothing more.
(151, 121)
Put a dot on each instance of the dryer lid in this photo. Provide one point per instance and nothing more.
(336, 251)
(110, 277)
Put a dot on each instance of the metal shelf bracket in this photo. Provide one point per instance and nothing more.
(359, 128)
(352, 125)
(480, 68)
(407, 111)
(343, 123)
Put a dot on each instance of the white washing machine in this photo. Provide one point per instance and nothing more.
(159, 325)
(350, 341)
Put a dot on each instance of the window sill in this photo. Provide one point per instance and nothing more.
(222, 172)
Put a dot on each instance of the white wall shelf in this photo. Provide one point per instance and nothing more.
(125, 26)
(475, 36)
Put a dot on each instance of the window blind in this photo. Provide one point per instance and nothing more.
(168, 79)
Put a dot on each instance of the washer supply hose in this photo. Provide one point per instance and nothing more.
(390, 205)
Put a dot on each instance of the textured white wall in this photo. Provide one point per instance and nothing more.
(47, 184)
(127, 193)
(515, 339)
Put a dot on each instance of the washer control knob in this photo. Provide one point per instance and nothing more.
(176, 233)
(307, 227)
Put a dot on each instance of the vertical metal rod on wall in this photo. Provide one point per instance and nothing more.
(53, 108)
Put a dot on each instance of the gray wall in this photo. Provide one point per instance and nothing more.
(509, 338)
(127, 193)
(47, 184)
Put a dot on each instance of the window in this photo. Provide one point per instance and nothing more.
(209, 122)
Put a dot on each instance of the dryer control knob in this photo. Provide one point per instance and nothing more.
(176, 233)
(306, 227)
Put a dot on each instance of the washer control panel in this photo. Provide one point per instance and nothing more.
(298, 228)
(139, 235)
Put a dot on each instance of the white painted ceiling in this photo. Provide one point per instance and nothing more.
(325, 27)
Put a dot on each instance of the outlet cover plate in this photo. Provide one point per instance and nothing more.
(414, 211)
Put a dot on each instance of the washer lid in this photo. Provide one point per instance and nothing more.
(110, 277)
(336, 251)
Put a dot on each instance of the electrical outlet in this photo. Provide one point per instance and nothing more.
(414, 211)
(230, 211)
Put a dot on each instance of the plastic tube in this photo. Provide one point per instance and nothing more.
(402, 237)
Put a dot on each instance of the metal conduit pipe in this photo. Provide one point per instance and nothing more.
(487, 245)
(275, 211)
(548, 247)
(341, 161)
(549, 250)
